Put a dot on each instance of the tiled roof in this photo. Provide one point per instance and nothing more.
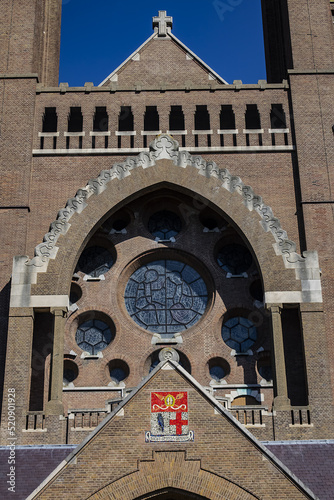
(311, 461)
(32, 465)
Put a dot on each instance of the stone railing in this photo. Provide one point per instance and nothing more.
(35, 421)
(300, 416)
(250, 416)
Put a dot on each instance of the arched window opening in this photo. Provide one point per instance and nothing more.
(202, 118)
(100, 126)
(75, 120)
(151, 119)
(227, 117)
(125, 126)
(50, 120)
(49, 126)
(227, 126)
(277, 117)
(101, 120)
(176, 118)
(252, 117)
(125, 119)
(202, 123)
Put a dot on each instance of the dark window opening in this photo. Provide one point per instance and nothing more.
(277, 116)
(151, 118)
(294, 357)
(41, 348)
(101, 120)
(125, 120)
(50, 120)
(176, 118)
(227, 118)
(202, 118)
(252, 117)
(75, 120)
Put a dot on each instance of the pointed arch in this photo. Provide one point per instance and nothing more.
(165, 164)
(172, 470)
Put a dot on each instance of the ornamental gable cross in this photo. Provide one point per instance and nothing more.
(163, 22)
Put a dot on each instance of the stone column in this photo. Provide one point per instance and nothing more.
(55, 404)
(281, 401)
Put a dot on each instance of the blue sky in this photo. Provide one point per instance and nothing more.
(98, 35)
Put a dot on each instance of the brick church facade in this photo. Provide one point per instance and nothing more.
(166, 312)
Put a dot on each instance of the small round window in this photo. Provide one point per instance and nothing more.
(95, 261)
(164, 225)
(93, 336)
(118, 370)
(166, 296)
(239, 334)
(218, 368)
(234, 259)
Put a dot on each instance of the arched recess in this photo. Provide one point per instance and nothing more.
(171, 494)
(52, 267)
(47, 276)
(172, 470)
(247, 225)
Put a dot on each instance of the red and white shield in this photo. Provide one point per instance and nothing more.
(169, 417)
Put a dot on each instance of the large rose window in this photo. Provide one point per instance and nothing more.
(166, 297)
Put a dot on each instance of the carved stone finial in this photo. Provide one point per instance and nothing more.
(168, 353)
(164, 146)
(163, 22)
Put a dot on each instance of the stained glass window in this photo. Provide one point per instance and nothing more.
(93, 336)
(95, 261)
(239, 334)
(164, 225)
(166, 297)
(234, 259)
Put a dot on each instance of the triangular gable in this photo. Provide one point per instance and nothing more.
(163, 61)
(202, 449)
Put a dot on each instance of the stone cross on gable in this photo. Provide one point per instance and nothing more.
(163, 22)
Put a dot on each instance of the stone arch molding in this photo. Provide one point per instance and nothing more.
(172, 470)
(164, 147)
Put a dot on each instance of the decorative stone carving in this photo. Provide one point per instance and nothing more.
(165, 147)
(168, 353)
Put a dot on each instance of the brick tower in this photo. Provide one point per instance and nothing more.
(180, 304)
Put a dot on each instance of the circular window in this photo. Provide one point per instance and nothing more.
(218, 368)
(118, 370)
(71, 371)
(239, 334)
(95, 261)
(234, 259)
(93, 336)
(164, 225)
(166, 296)
(264, 368)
